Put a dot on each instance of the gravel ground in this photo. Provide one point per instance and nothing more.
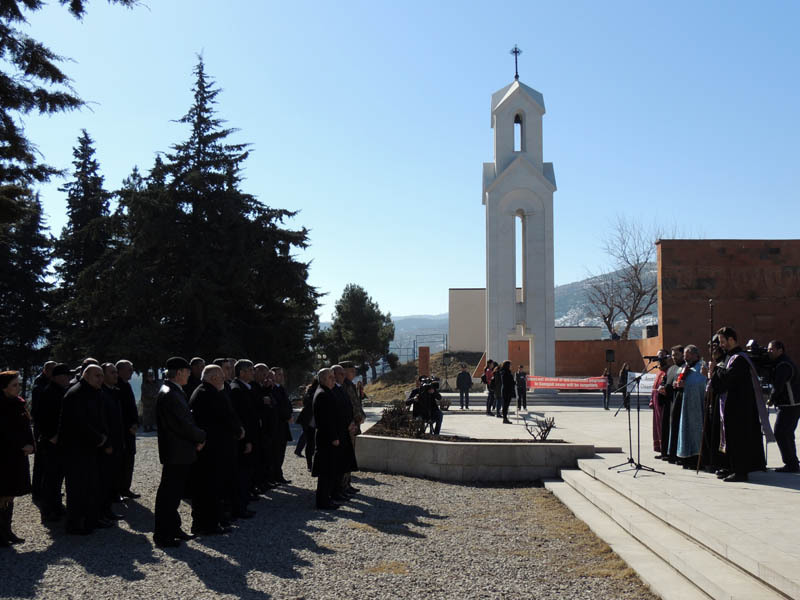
(401, 537)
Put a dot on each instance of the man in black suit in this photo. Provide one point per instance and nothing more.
(215, 465)
(39, 384)
(283, 416)
(47, 414)
(242, 400)
(179, 440)
(195, 378)
(130, 422)
(81, 433)
(346, 428)
(111, 457)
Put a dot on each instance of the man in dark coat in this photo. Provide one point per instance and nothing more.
(671, 411)
(464, 384)
(283, 416)
(521, 379)
(242, 400)
(197, 364)
(130, 422)
(786, 396)
(81, 435)
(743, 418)
(179, 440)
(48, 414)
(216, 463)
(345, 427)
(328, 441)
(111, 458)
(262, 405)
(39, 384)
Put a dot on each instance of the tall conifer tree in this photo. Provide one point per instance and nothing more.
(24, 289)
(244, 294)
(84, 252)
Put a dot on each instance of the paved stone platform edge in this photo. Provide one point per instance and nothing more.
(750, 556)
(662, 579)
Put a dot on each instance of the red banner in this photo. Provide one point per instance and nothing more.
(566, 383)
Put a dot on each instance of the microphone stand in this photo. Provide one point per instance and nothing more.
(636, 465)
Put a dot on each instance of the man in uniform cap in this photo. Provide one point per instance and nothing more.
(179, 439)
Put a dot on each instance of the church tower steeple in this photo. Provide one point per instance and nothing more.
(519, 185)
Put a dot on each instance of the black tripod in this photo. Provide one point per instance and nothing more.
(636, 465)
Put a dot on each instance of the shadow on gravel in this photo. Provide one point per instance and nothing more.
(113, 552)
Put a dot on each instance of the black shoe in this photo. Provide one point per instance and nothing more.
(166, 542)
(300, 454)
(722, 473)
(735, 477)
(183, 536)
(787, 469)
(284, 481)
(117, 500)
(352, 489)
(507, 422)
(131, 494)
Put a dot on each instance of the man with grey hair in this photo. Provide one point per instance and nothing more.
(346, 428)
(130, 420)
(216, 464)
(81, 434)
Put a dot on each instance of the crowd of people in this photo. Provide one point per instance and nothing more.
(222, 429)
(501, 386)
(713, 415)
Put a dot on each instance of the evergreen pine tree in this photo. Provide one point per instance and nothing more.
(243, 293)
(24, 289)
(84, 252)
(30, 82)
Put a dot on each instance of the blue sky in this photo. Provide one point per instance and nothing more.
(372, 119)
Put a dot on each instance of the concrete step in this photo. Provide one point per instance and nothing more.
(711, 573)
(662, 579)
(682, 507)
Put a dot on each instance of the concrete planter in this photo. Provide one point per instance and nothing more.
(468, 461)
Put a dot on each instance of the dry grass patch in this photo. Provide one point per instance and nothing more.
(391, 567)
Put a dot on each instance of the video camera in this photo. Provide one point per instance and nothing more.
(429, 383)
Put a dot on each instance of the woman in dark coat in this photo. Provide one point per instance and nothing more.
(327, 451)
(16, 443)
(507, 388)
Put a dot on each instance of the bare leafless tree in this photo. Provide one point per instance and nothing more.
(627, 290)
(603, 294)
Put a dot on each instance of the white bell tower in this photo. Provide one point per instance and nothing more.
(519, 185)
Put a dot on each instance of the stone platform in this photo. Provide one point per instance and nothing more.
(687, 535)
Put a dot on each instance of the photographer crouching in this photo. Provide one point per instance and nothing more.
(424, 400)
(785, 396)
(743, 409)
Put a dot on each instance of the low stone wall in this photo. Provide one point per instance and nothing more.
(468, 461)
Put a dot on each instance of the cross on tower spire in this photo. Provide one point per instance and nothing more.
(516, 52)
